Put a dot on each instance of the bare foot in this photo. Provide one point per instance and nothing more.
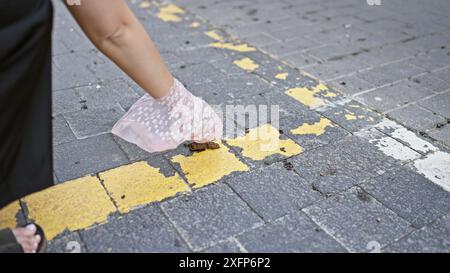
(26, 238)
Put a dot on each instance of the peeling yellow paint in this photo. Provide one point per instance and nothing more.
(330, 94)
(230, 46)
(195, 25)
(317, 128)
(170, 13)
(246, 64)
(8, 215)
(307, 96)
(144, 5)
(264, 141)
(350, 116)
(282, 76)
(73, 205)
(204, 168)
(214, 35)
(139, 184)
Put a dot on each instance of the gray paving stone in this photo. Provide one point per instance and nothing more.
(410, 195)
(73, 40)
(142, 230)
(337, 68)
(78, 158)
(442, 134)
(71, 70)
(210, 215)
(433, 60)
(65, 101)
(438, 104)
(292, 233)
(294, 45)
(300, 60)
(274, 191)
(61, 131)
(432, 82)
(91, 122)
(334, 51)
(70, 243)
(416, 117)
(355, 219)
(228, 246)
(434, 238)
(367, 155)
(204, 55)
(329, 170)
(391, 72)
(108, 95)
(391, 97)
(261, 40)
(384, 54)
(443, 74)
(351, 85)
(198, 73)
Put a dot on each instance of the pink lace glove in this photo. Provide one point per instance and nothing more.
(163, 124)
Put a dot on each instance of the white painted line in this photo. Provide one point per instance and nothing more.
(395, 149)
(404, 135)
(436, 167)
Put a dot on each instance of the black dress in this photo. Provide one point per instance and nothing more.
(25, 98)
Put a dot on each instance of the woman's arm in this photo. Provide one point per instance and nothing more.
(116, 32)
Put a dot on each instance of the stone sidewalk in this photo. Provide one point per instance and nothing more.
(361, 161)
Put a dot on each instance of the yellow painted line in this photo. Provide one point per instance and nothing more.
(282, 76)
(233, 47)
(246, 64)
(209, 166)
(169, 13)
(264, 141)
(317, 128)
(144, 5)
(138, 184)
(74, 205)
(214, 35)
(309, 96)
(8, 215)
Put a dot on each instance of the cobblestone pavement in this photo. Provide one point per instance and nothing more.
(361, 162)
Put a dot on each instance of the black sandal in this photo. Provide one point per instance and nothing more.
(9, 244)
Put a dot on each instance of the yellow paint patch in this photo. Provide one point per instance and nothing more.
(264, 141)
(317, 128)
(282, 76)
(170, 13)
(139, 184)
(246, 64)
(195, 24)
(144, 5)
(8, 215)
(230, 46)
(204, 168)
(330, 94)
(214, 35)
(350, 116)
(307, 96)
(72, 205)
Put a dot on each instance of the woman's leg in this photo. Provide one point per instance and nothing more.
(116, 32)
